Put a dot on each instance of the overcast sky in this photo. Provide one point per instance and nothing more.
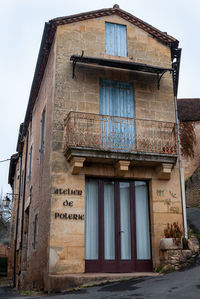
(21, 29)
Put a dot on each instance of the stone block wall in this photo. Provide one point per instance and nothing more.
(175, 259)
(32, 263)
(190, 164)
(53, 192)
(82, 94)
(193, 190)
(3, 250)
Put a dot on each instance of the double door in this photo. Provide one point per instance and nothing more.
(117, 229)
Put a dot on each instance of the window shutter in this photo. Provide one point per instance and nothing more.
(115, 39)
(42, 131)
(30, 162)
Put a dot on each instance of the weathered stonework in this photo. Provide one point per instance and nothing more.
(175, 259)
(56, 190)
(193, 189)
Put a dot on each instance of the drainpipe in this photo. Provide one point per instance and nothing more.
(182, 183)
(17, 222)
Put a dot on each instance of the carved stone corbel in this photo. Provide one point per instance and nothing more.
(164, 171)
(76, 164)
(121, 167)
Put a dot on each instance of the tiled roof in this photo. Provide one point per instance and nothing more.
(189, 109)
(161, 36)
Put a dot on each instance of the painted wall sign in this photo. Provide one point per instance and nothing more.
(69, 216)
(67, 203)
(68, 191)
(172, 194)
(174, 210)
(160, 192)
(170, 201)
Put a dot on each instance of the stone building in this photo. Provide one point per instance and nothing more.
(189, 114)
(97, 174)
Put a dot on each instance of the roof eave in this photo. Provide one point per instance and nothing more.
(12, 168)
(161, 36)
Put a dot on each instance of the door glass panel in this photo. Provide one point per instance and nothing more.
(125, 223)
(109, 221)
(142, 221)
(91, 220)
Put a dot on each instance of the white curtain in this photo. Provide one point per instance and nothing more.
(109, 221)
(91, 220)
(125, 224)
(142, 221)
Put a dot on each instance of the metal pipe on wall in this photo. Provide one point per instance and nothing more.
(176, 65)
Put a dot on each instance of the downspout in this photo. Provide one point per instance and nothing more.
(17, 222)
(176, 66)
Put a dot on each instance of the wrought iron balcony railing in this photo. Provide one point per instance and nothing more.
(119, 134)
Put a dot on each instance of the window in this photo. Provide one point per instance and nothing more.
(35, 231)
(22, 183)
(117, 99)
(116, 40)
(30, 162)
(26, 231)
(42, 131)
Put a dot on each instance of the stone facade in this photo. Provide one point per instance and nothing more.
(176, 258)
(190, 164)
(188, 111)
(12, 245)
(193, 189)
(55, 192)
(3, 250)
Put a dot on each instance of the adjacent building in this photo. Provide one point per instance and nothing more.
(96, 176)
(189, 116)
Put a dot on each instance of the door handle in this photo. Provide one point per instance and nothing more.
(121, 231)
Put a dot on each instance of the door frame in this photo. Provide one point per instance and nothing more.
(118, 265)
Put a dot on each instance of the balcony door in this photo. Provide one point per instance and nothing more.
(117, 237)
(117, 103)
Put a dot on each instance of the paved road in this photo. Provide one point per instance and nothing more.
(181, 284)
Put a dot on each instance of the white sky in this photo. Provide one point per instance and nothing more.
(22, 23)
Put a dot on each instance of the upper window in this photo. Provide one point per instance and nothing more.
(30, 162)
(42, 131)
(116, 41)
(35, 232)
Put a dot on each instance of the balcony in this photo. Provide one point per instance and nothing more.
(95, 136)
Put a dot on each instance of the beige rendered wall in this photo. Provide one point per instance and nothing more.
(82, 94)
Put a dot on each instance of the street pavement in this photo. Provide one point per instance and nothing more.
(180, 284)
(183, 284)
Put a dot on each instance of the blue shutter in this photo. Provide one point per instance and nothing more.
(116, 99)
(115, 38)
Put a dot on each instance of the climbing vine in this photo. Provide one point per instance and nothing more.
(187, 138)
